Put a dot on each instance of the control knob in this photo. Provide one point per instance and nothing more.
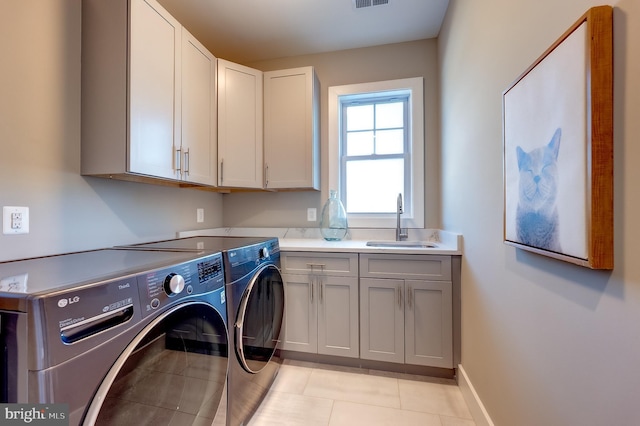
(263, 253)
(173, 284)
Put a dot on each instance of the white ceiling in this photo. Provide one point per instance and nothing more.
(252, 30)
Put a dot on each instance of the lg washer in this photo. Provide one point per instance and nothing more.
(124, 337)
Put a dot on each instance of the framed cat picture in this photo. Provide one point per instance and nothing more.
(558, 148)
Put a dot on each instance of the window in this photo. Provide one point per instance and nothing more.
(376, 146)
(373, 137)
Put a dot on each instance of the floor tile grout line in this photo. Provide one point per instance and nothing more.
(333, 405)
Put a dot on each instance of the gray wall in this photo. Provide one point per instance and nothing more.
(389, 62)
(40, 141)
(543, 342)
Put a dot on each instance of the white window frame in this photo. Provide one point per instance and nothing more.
(414, 216)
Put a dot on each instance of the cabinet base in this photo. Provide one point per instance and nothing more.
(365, 364)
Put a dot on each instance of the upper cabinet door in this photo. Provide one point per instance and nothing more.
(154, 90)
(199, 146)
(239, 126)
(291, 129)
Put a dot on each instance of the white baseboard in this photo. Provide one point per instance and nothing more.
(478, 412)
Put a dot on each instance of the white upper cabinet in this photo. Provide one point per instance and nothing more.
(154, 90)
(239, 126)
(158, 106)
(291, 129)
(199, 131)
(148, 95)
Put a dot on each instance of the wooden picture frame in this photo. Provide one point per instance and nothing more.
(558, 148)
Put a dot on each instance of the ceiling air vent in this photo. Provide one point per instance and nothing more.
(359, 4)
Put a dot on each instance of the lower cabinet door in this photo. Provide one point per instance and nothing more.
(338, 316)
(382, 319)
(300, 316)
(429, 323)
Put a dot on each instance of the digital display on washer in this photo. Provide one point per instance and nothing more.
(209, 269)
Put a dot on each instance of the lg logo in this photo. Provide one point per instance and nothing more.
(64, 302)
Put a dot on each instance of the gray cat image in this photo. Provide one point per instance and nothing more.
(537, 213)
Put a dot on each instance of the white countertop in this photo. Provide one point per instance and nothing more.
(309, 239)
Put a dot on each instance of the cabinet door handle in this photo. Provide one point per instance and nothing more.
(221, 171)
(186, 161)
(321, 285)
(311, 289)
(316, 265)
(410, 296)
(399, 297)
(179, 160)
(266, 175)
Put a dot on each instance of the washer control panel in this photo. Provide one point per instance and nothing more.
(242, 261)
(162, 287)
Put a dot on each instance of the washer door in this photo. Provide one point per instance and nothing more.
(174, 372)
(259, 319)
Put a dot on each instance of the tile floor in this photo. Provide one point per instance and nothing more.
(317, 394)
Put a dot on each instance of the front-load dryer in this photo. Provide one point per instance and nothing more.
(122, 337)
(255, 292)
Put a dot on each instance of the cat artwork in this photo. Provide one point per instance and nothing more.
(537, 214)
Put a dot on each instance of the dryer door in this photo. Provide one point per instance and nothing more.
(174, 370)
(259, 319)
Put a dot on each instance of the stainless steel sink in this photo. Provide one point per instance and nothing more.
(401, 244)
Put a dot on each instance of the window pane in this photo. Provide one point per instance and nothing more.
(389, 115)
(360, 143)
(389, 142)
(359, 117)
(373, 185)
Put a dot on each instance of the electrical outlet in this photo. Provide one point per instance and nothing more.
(200, 215)
(311, 214)
(15, 220)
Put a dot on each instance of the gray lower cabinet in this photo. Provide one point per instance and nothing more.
(406, 309)
(381, 307)
(321, 308)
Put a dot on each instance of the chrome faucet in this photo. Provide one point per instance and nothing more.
(401, 234)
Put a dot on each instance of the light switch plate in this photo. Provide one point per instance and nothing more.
(311, 214)
(15, 220)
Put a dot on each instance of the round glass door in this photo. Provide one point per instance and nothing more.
(174, 373)
(259, 320)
